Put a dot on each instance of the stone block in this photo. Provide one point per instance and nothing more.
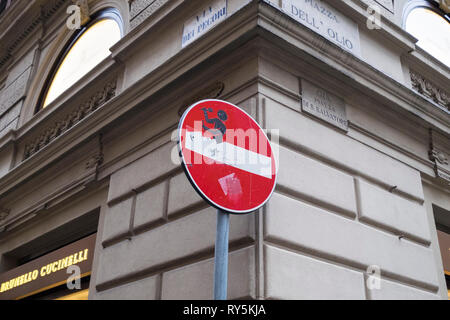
(117, 220)
(138, 173)
(181, 194)
(349, 153)
(380, 206)
(21, 66)
(294, 276)
(196, 281)
(306, 227)
(316, 181)
(138, 5)
(390, 290)
(168, 245)
(9, 118)
(144, 289)
(150, 206)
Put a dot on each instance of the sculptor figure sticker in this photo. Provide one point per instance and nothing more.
(226, 156)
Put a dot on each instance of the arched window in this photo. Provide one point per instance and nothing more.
(431, 27)
(87, 49)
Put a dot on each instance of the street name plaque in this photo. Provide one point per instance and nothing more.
(204, 20)
(323, 19)
(324, 105)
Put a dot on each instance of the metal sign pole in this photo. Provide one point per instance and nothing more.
(221, 255)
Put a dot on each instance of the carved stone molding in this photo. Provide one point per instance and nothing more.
(440, 160)
(96, 160)
(211, 92)
(438, 156)
(142, 9)
(71, 119)
(430, 90)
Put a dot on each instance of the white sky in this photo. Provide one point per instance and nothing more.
(433, 32)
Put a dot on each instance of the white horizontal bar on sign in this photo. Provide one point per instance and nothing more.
(229, 154)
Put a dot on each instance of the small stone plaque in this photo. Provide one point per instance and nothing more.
(205, 19)
(324, 105)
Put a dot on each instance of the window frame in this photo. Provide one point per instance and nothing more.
(106, 13)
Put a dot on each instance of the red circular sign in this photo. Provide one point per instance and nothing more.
(226, 156)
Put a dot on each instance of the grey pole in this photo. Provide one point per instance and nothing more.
(221, 256)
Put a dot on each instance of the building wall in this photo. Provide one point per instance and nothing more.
(346, 201)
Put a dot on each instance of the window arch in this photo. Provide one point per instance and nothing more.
(429, 24)
(87, 48)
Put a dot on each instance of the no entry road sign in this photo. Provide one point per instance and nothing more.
(227, 156)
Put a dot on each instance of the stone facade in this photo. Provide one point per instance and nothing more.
(346, 200)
